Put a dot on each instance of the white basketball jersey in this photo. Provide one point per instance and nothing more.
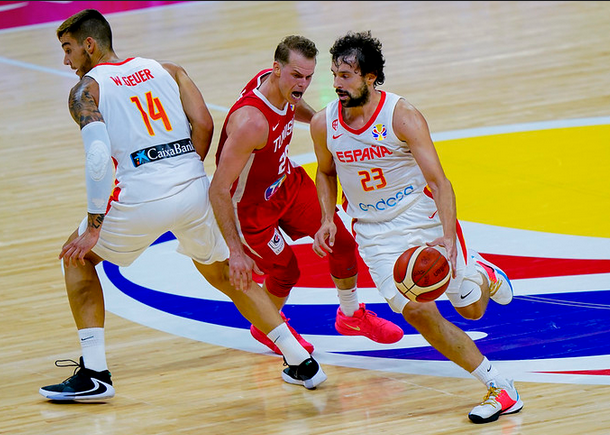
(149, 132)
(378, 174)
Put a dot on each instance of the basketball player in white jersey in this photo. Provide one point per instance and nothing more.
(150, 119)
(379, 148)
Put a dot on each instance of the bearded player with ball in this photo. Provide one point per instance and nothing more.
(379, 148)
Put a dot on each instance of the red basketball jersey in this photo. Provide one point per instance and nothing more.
(268, 167)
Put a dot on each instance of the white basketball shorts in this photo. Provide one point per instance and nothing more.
(381, 243)
(129, 229)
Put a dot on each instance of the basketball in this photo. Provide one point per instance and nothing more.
(422, 273)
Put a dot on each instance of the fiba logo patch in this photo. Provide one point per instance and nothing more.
(277, 242)
(379, 132)
(270, 191)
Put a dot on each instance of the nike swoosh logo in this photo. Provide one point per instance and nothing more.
(276, 126)
(355, 328)
(337, 136)
(98, 388)
(432, 215)
(86, 338)
(489, 368)
(466, 295)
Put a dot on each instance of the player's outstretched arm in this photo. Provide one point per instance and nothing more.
(247, 130)
(411, 127)
(326, 185)
(99, 170)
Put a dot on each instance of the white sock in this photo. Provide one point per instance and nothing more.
(94, 349)
(348, 301)
(487, 373)
(293, 352)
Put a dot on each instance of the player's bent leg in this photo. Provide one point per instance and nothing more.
(84, 291)
(454, 344)
(278, 285)
(443, 335)
(476, 309)
(253, 304)
(260, 336)
(87, 304)
(256, 306)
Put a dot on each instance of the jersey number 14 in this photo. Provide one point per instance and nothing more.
(155, 111)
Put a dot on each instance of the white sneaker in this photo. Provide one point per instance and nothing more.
(498, 401)
(500, 287)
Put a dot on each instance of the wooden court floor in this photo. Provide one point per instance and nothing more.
(463, 64)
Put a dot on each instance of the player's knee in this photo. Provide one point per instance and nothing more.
(281, 280)
(472, 311)
(343, 262)
(422, 316)
(217, 274)
(471, 304)
(280, 286)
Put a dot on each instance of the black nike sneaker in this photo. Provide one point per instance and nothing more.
(83, 385)
(308, 374)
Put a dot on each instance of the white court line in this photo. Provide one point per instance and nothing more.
(447, 135)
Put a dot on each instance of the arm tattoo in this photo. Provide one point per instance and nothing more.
(95, 220)
(83, 107)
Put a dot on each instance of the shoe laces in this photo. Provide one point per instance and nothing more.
(372, 318)
(494, 287)
(69, 363)
(492, 393)
(368, 313)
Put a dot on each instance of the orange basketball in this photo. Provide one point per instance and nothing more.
(422, 273)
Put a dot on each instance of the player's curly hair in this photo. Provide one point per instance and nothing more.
(88, 22)
(296, 43)
(362, 51)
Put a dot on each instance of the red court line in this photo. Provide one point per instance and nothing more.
(316, 274)
(24, 13)
(601, 372)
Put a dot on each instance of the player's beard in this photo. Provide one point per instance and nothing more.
(87, 64)
(358, 100)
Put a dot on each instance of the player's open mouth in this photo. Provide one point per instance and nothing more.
(297, 95)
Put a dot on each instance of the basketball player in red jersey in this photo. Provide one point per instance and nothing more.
(379, 148)
(257, 191)
(151, 119)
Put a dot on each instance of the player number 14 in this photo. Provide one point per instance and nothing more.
(155, 112)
